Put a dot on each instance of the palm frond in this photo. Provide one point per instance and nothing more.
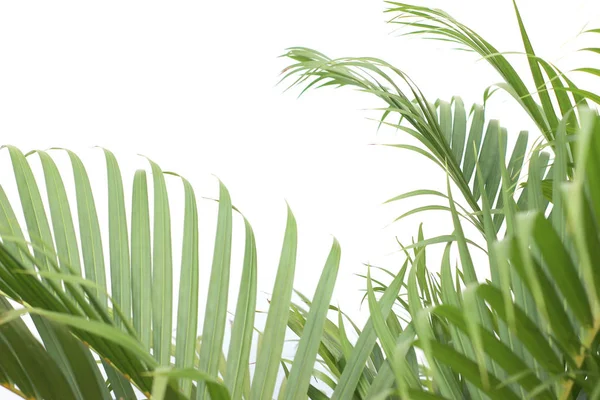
(441, 127)
(60, 278)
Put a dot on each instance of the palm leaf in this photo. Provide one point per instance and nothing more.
(129, 325)
(441, 127)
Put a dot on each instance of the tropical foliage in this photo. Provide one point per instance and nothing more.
(531, 331)
(435, 332)
(130, 330)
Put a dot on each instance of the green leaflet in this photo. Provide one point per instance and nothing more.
(162, 270)
(267, 363)
(302, 367)
(216, 307)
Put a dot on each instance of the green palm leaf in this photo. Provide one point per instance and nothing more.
(129, 326)
(441, 128)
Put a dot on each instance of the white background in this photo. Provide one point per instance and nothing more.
(192, 85)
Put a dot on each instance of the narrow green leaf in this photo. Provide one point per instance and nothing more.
(435, 207)
(382, 383)
(419, 192)
(560, 266)
(465, 256)
(459, 129)
(445, 120)
(118, 383)
(488, 159)
(96, 328)
(470, 311)
(162, 271)
(538, 78)
(525, 329)
(416, 150)
(36, 220)
(581, 219)
(383, 332)
(118, 240)
(347, 347)
(469, 370)
(267, 364)
(402, 372)
(187, 313)
(58, 343)
(26, 360)
(583, 212)
(444, 378)
(543, 290)
(215, 388)
(489, 229)
(62, 220)
(450, 296)
(540, 169)
(141, 260)
(306, 354)
(351, 374)
(240, 345)
(419, 395)
(215, 314)
(474, 141)
(89, 228)
(510, 176)
(588, 161)
(593, 71)
(496, 349)
(559, 177)
(535, 200)
(9, 227)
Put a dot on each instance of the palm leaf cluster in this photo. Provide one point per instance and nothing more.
(531, 330)
(434, 332)
(62, 284)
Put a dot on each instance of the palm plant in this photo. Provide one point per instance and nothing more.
(100, 346)
(532, 330)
